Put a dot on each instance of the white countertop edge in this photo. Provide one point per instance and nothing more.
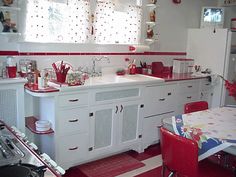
(107, 85)
(13, 80)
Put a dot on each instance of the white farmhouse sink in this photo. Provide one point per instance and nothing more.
(111, 78)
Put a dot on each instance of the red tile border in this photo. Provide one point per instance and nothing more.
(5, 53)
(16, 53)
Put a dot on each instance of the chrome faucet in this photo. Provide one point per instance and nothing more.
(94, 59)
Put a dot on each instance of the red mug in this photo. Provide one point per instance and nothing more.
(11, 70)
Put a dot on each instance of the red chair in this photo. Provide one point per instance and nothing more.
(195, 106)
(180, 157)
(179, 154)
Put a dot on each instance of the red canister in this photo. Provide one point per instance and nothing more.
(233, 23)
(132, 69)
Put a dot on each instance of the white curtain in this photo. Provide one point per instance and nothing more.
(116, 23)
(69, 21)
(50, 21)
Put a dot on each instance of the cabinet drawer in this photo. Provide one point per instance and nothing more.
(159, 99)
(73, 148)
(189, 87)
(73, 120)
(76, 99)
(188, 97)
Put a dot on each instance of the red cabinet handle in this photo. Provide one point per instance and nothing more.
(74, 148)
(75, 100)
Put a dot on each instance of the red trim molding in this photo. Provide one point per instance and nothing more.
(16, 53)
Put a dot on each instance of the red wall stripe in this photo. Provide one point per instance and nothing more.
(16, 53)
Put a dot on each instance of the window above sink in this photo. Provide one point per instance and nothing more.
(82, 21)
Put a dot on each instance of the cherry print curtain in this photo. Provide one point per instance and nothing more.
(114, 25)
(52, 21)
(71, 21)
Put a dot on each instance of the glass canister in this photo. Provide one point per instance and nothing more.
(24, 65)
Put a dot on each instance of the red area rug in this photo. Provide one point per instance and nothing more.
(111, 166)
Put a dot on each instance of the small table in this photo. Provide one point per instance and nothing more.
(213, 129)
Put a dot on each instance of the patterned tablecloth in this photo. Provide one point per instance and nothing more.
(213, 129)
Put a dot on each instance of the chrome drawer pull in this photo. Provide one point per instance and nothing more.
(121, 108)
(189, 97)
(75, 120)
(117, 109)
(190, 86)
(163, 99)
(74, 148)
(75, 100)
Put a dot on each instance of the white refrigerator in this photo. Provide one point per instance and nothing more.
(214, 50)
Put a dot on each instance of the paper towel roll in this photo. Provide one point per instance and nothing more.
(139, 48)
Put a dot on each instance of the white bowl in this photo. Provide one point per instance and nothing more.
(42, 125)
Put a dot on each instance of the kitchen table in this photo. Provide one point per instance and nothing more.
(213, 129)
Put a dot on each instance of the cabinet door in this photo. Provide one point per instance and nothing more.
(102, 128)
(130, 122)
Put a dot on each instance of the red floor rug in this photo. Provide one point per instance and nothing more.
(111, 166)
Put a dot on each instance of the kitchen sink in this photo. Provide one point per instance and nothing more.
(111, 78)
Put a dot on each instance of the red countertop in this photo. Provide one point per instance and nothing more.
(168, 77)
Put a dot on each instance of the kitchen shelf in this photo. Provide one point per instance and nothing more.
(152, 6)
(10, 34)
(149, 41)
(151, 23)
(30, 124)
(10, 8)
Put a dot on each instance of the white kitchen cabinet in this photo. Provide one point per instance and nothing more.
(187, 91)
(159, 102)
(206, 91)
(68, 114)
(116, 125)
(102, 129)
(159, 99)
(151, 126)
(12, 109)
(130, 123)
(96, 122)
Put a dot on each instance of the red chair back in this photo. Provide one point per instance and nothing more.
(195, 106)
(179, 154)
